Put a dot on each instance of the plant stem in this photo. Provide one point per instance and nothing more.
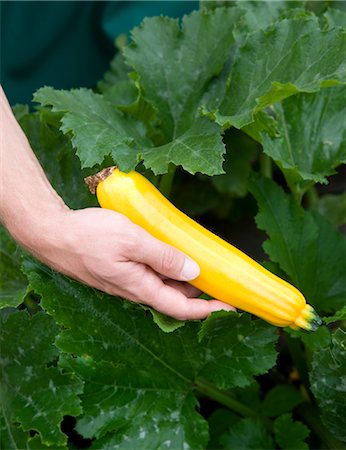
(222, 397)
(297, 194)
(308, 413)
(266, 165)
(298, 359)
(312, 198)
(166, 181)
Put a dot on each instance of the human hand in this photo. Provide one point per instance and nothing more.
(106, 250)
(96, 246)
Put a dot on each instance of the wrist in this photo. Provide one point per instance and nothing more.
(34, 228)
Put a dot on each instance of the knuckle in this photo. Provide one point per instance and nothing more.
(130, 242)
(169, 260)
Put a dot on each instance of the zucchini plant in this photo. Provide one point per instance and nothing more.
(236, 113)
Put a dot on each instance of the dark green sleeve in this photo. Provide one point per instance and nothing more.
(66, 44)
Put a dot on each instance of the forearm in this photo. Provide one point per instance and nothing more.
(28, 202)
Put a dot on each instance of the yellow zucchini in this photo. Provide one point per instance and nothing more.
(227, 273)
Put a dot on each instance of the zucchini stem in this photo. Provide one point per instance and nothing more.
(166, 181)
(225, 399)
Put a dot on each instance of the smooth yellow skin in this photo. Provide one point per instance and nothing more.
(227, 273)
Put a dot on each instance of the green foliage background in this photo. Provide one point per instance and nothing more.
(249, 98)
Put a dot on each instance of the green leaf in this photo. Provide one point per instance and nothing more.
(335, 17)
(219, 422)
(259, 15)
(13, 284)
(282, 398)
(146, 375)
(292, 233)
(114, 342)
(290, 435)
(312, 136)
(12, 437)
(199, 149)
(98, 129)
(292, 56)
(56, 156)
(240, 154)
(145, 412)
(127, 97)
(195, 195)
(247, 434)
(247, 348)
(250, 395)
(118, 71)
(333, 208)
(166, 323)
(175, 64)
(328, 383)
(339, 315)
(35, 393)
(319, 339)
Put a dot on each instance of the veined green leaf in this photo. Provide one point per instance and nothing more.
(335, 17)
(219, 422)
(12, 437)
(240, 153)
(282, 398)
(175, 64)
(32, 393)
(290, 435)
(247, 434)
(258, 15)
(199, 149)
(333, 208)
(328, 383)
(312, 136)
(294, 55)
(319, 339)
(98, 129)
(125, 359)
(294, 233)
(13, 284)
(118, 71)
(339, 315)
(236, 352)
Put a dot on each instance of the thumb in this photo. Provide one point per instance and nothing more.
(165, 259)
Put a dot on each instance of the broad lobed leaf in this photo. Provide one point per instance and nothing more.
(98, 130)
(306, 246)
(13, 437)
(199, 149)
(35, 393)
(294, 55)
(328, 383)
(281, 399)
(247, 434)
(124, 408)
(312, 136)
(289, 434)
(246, 348)
(13, 284)
(130, 366)
(175, 64)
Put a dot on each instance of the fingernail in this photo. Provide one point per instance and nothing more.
(190, 270)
